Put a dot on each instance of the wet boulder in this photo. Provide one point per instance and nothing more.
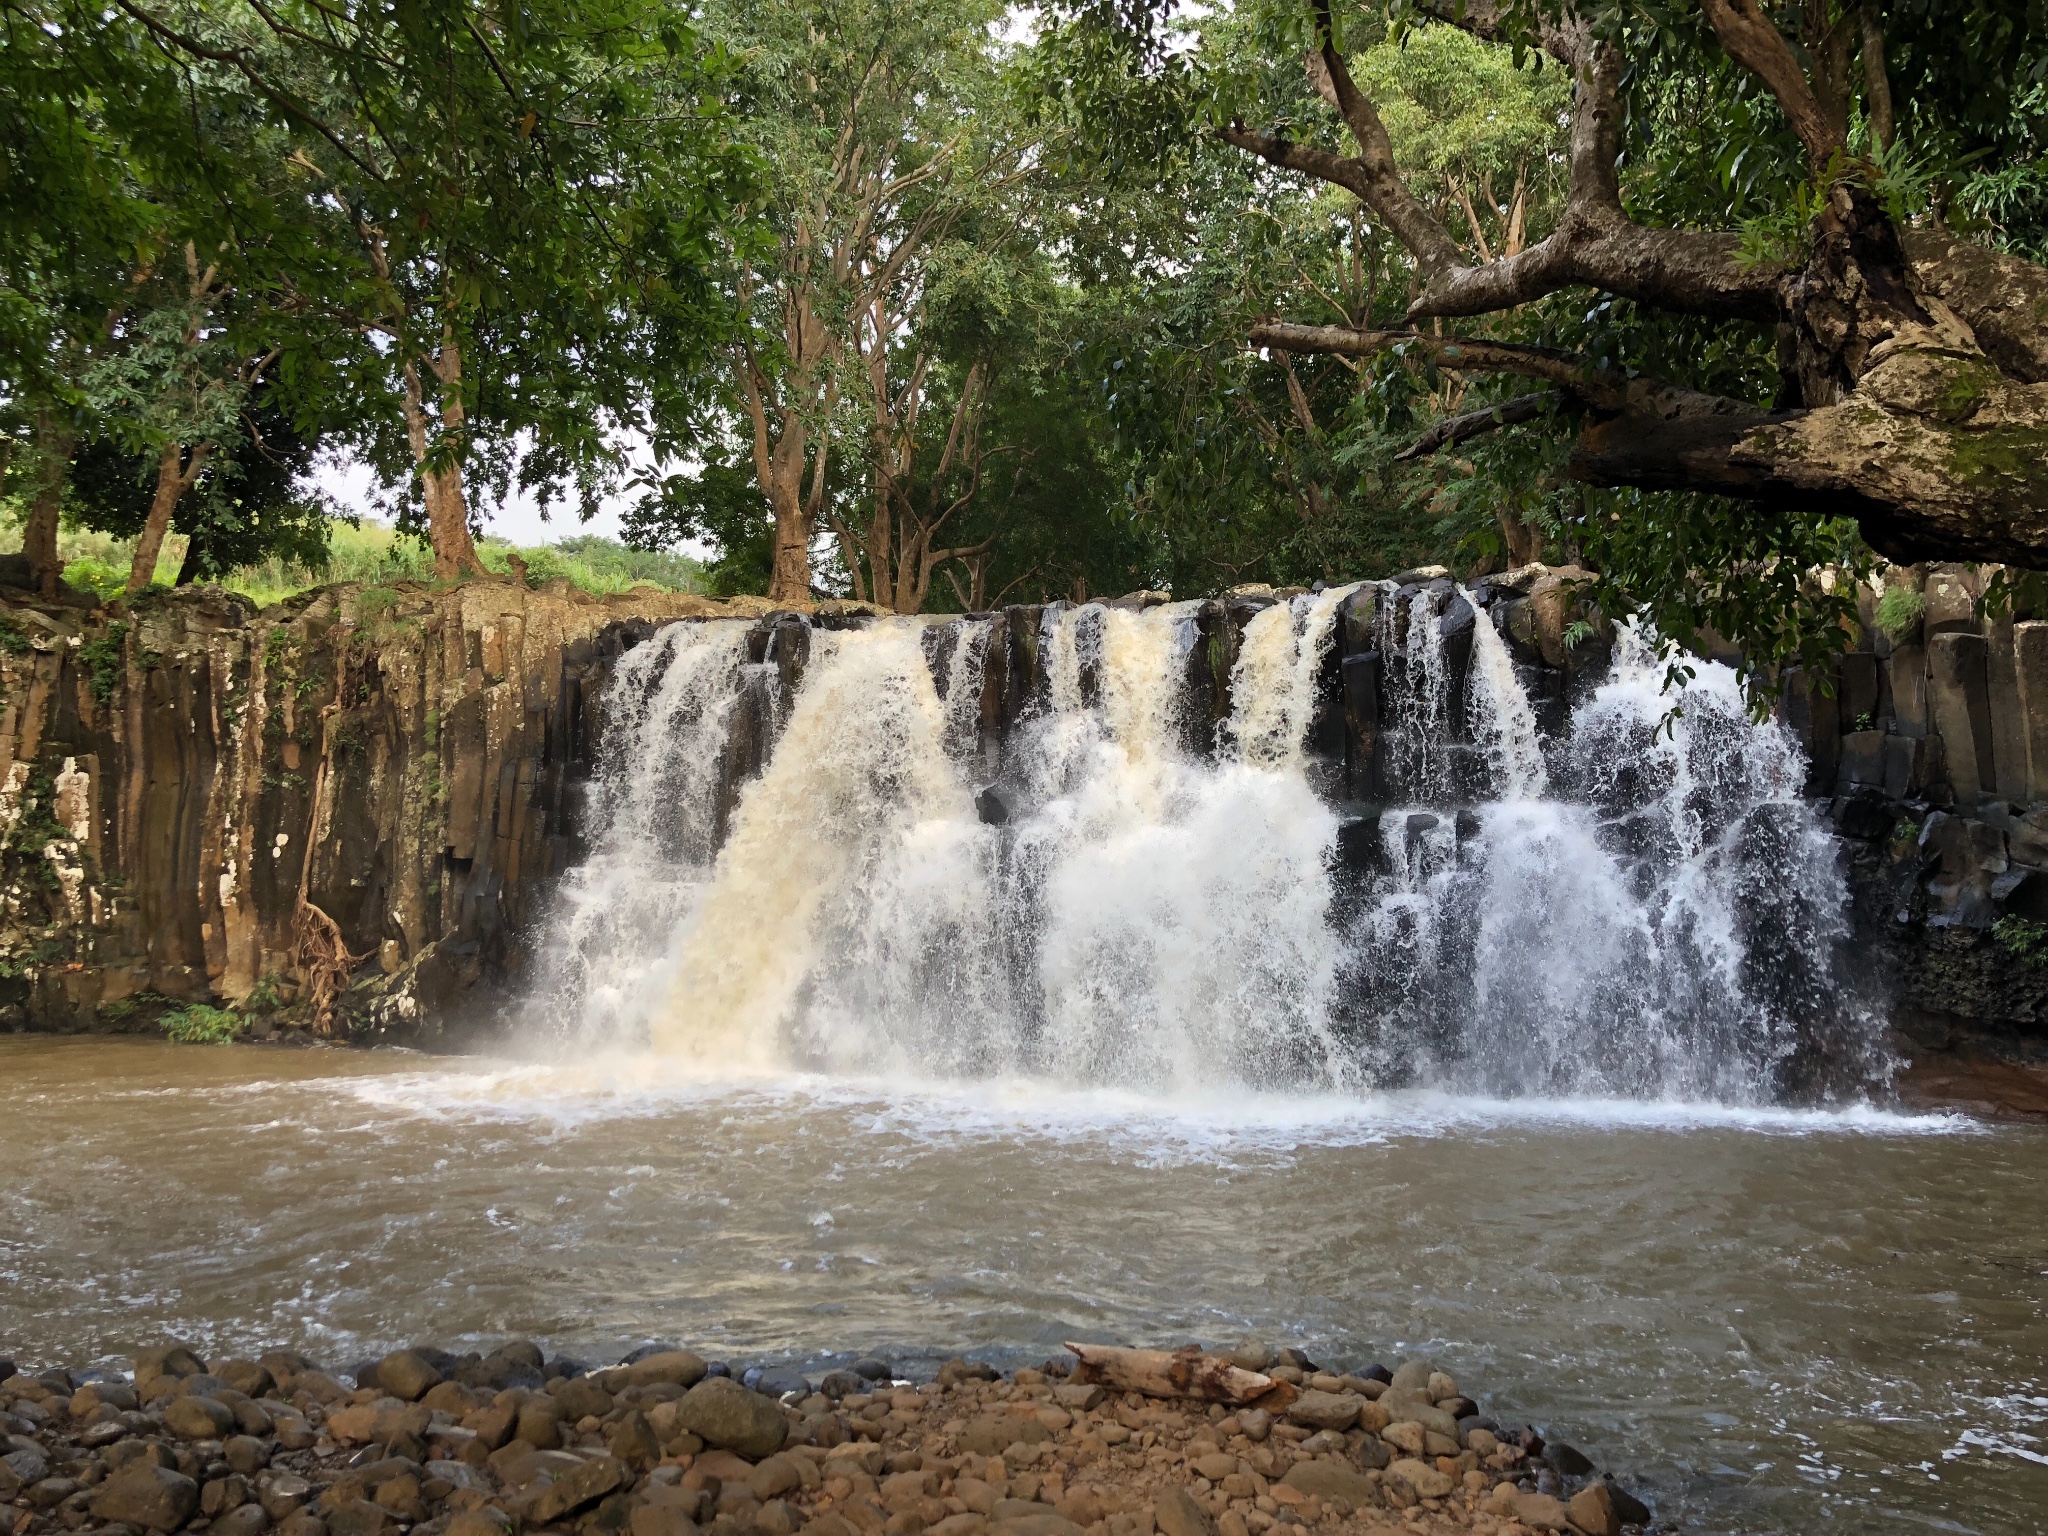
(146, 1496)
(721, 1412)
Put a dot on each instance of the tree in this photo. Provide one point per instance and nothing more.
(517, 205)
(175, 387)
(92, 117)
(886, 141)
(248, 502)
(1911, 393)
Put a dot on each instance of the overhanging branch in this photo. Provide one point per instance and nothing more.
(1457, 429)
(1575, 374)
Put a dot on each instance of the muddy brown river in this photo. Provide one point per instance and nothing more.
(1769, 1321)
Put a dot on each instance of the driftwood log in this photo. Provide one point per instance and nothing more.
(1179, 1373)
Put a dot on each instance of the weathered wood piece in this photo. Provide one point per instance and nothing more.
(1178, 1373)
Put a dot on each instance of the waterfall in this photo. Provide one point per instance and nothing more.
(1272, 685)
(859, 785)
(656, 803)
(1506, 722)
(966, 671)
(1422, 670)
(1642, 906)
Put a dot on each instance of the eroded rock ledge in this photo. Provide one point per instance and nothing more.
(204, 801)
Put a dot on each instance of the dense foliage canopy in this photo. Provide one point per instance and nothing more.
(944, 303)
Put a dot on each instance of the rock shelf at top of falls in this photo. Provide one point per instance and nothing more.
(668, 1444)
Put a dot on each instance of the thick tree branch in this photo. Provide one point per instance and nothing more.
(1387, 192)
(1569, 371)
(1457, 429)
(1595, 244)
(2001, 297)
(1753, 40)
(1339, 170)
(1683, 270)
(1877, 85)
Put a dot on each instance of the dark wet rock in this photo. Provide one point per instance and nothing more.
(220, 1494)
(778, 1382)
(242, 1520)
(578, 1489)
(540, 1423)
(175, 1360)
(319, 1386)
(1629, 1509)
(199, 1418)
(1570, 1462)
(246, 1377)
(635, 1356)
(26, 1464)
(991, 807)
(668, 1367)
(633, 1441)
(147, 1452)
(871, 1369)
(580, 1397)
(360, 1517)
(554, 1370)
(284, 1494)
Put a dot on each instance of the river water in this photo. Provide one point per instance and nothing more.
(1770, 1320)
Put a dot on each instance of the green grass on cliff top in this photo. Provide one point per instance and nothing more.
(373, 553)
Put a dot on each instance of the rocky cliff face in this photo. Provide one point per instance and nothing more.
(1930, 744)
(200, 801)
(346, 808)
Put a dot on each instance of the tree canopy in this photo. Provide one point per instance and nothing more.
(946, 304)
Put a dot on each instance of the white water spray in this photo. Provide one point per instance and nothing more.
(1149, 916)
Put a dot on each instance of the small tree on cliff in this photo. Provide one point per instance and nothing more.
(1911, 362)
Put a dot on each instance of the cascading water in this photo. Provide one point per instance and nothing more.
(659, 817)
(1506, 724)
(1653, 911)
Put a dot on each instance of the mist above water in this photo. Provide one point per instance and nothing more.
(1636, 905)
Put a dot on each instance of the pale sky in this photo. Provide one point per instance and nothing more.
(351, 486)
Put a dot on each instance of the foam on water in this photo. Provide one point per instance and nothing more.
(561, 1097)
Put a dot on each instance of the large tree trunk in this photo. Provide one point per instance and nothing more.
(1918, 387)
(441, 484)
(54, 442)
(789, 578)
(1914, 365)
(174, 477)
